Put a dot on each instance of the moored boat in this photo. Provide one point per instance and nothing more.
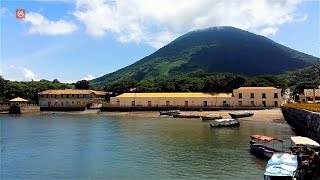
(170, 112)
(224, 123)
(281, 166)
(262, 150)
(211, 117)
(236, 115)
(186, 116)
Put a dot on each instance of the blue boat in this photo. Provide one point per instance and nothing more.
(281, 166)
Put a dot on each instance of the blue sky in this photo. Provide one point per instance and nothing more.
(83, 39)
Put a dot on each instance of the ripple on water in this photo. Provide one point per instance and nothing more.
(101, 147)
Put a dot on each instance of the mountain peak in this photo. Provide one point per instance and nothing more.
(215, 49)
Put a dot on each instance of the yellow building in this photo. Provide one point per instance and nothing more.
(257, 96)
(244, 96)
(69, 97)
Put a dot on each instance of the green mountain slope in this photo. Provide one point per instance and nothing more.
(216, 49)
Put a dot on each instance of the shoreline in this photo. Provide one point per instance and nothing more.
(274, 115)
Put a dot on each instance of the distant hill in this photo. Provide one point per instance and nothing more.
(216, 49)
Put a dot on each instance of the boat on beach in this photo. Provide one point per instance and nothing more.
(236, 115)
(187, 116)
(210, 117)
(170, 112)
(224, 123)
(262, 150)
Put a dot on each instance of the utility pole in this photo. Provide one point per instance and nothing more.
(314, 95)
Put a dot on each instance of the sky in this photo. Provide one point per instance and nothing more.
(71, 40)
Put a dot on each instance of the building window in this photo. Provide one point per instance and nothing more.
(118, 103)
(240, 95)
(167, 103)
(251, 95)
(186, 103)
(252, 103)
(240, 103)
(264, 103)
(133, 103)
(275, 95)
(276, 104)
(205, 103)
(72, 102)
(263, 95)
(78, 102)
(149, 103)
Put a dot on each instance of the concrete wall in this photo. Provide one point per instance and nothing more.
(305, 123)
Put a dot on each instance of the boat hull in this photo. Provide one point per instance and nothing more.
(186, 116)
(236, 116)
(234, 123)
(207, 118)
(262, 151)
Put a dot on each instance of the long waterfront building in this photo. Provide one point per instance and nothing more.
(243, 96)
(69, 97)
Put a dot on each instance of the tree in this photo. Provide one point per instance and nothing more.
(83, 84)
(56, 81)
(121, 86)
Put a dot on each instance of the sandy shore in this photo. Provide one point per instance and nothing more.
(259, 115)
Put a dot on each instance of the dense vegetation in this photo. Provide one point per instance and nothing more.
(306, 78)
(28, 90)
(298, 80)
(219, 49)
(217, 82)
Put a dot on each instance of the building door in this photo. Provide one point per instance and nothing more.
(276, 104)
(186, 103)
(49, 103)
(240, 103)
(149, 103)
(264, 103)
(133, 103)
(205, 103)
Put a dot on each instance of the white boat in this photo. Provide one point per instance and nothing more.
(224, 123)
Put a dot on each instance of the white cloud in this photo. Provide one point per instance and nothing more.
(88, 77)
(42, 25)
(268, 31)
(28, 74)
(17, 73)
(159, 22)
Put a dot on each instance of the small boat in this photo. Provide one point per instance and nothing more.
(236, 115)
(299, 141)
(187, 116)
(225, 123)
(262, 150)
(281, 166)
(210, 117)
(170, 112)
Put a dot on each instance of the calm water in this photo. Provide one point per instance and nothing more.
(103, 147)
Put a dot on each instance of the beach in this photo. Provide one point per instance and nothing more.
(259, 115)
